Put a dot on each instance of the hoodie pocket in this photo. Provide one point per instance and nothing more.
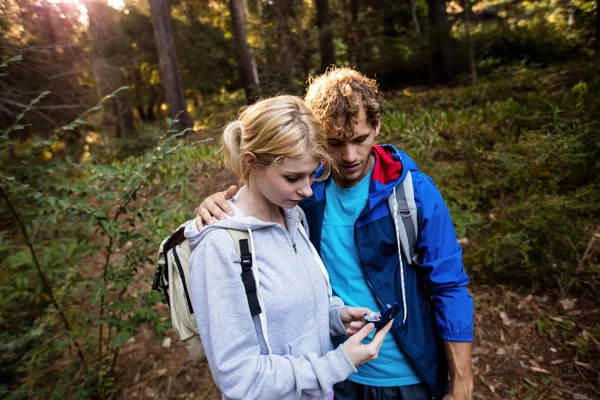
(308, 342)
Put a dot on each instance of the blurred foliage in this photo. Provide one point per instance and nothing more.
(96, 46)
(517, 159)
(76, 248)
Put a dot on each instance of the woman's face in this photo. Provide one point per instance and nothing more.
(287, 182)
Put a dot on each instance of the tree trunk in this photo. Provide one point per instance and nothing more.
(325, 35)
(261, 25)
(246, 61)
(351, 37)
(108, 76)
(597, 51)
(415, 17)
(137, 92)
(169, 66)
(570, 18)
(152, 103)
(282, 21)
(470, 50)
(439, 41)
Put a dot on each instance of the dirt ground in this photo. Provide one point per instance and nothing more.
(525, 347)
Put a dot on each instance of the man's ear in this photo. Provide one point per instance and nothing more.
(377, 128)
(249, 159)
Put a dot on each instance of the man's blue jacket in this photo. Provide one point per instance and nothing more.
(438, 305)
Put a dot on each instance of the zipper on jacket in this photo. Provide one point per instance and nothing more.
(364, 270)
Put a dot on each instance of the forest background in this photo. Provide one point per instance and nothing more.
(110, 116)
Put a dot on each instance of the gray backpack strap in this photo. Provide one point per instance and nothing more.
(237, 236)
(408, 228)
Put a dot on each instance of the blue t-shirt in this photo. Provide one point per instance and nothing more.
(342, 208)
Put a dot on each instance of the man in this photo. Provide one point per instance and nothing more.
(356, 234)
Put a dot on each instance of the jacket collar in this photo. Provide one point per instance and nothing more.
(388, 172)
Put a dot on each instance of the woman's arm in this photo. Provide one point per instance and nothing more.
(231, 342)
(230, 339)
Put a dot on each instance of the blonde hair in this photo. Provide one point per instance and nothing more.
(274, 129)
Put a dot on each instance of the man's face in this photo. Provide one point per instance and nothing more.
(352, 154)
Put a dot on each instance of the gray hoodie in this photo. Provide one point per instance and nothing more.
(285, 352)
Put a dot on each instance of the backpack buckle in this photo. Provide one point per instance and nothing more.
(156, 280)
(246, 262)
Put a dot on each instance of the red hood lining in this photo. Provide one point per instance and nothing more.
(387, 168)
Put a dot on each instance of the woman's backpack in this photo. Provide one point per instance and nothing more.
(172, 277)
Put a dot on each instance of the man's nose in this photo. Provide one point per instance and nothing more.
(349, 154)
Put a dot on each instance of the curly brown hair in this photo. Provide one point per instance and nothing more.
(335, 98)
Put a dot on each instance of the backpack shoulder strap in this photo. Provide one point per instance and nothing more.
(406, 215)
(241, 239)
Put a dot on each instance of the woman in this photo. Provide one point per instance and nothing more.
(285, 352)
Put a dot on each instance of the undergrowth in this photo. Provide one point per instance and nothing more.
(517, 159)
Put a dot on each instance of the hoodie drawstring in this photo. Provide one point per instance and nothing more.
(395, 216)
(317, 260)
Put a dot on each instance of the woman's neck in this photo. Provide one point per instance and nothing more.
(254, 204)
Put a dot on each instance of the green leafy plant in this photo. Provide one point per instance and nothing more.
(76, 255)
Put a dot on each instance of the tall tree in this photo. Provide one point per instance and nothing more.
(439, 41)
(246, 60)
(415, 16)
(325, 34)
(470, 49)
(352, 33)
(169, 66)
(261, 24)
(283, 11)
(597, 51)
(106, 67)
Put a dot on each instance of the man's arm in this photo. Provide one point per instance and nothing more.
(461, 375)
(446, 280)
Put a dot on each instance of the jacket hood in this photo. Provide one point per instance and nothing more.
(391, 167)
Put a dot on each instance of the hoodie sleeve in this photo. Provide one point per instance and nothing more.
(441, 260)
(231, 341)
(336, 326)
(191, 233)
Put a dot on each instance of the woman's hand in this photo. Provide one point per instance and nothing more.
(359, 353)
(352, 318)
(214, 207)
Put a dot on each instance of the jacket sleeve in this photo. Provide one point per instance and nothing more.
(441, 260)
(240, 369)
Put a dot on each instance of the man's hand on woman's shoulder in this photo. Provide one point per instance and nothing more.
(214, 207)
